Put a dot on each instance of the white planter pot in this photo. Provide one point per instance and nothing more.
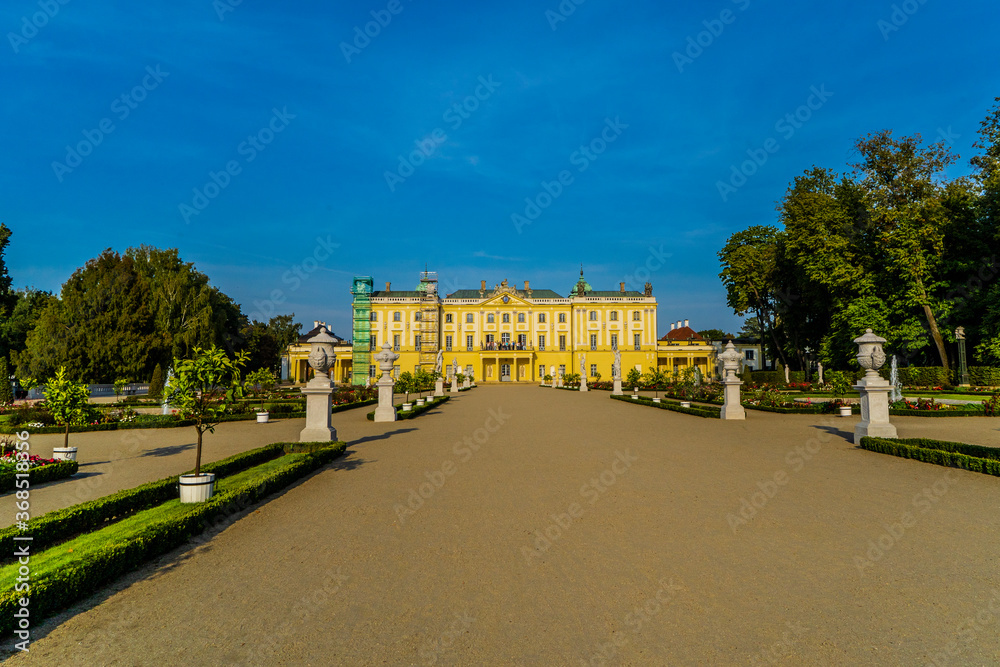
(64, 453)
(845, 411)
(197, 488)
(656, 400)
(262, 417)
(635, 397)
(420, 401)
(685, 404)
(407, 406)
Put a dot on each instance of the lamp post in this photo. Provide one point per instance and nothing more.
(963, 371)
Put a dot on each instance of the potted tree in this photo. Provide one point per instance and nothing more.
(121, 384)
(260, 383)
(67, 401)
(840, 386)
(404, 385)
(656, 377)
(633, 377)
(203, 389)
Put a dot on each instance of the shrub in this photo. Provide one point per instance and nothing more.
(941, 452)
(984, 376)
(6, 391)
(924, 376)
(39, 475)
(697, 411)
(156, 383)
(31, 414)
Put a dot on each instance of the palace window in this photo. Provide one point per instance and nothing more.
(396, 317)
(593, 316)
(541, 318)
(505, 338)
(447, 318)
(593, 370)
(749, 354)
(614, 341)
(562, 318)
(636, 316)
(468, 343)
(562, 343)
(506, 318)
(395, 372)
(520, 318)
(371, 370)
(416, 316)
(490, 319)
(522, 340)
(447, 343)
(372, 344)
(638, 341)
(593, 341)
(468, 318)
(416, 343)
(541, 343)
(374, 316)
(613, 316)
(562, 369)
(395, 343)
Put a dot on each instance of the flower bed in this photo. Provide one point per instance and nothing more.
(940, 452)
(416, 411)
(698, 411)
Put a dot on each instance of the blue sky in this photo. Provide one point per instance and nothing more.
(589, 114)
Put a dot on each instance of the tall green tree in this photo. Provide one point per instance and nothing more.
(902, 179)
(101, 328)
(749, 262)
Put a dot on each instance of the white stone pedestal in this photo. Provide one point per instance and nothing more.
(385, 412)
(617, 390)
(466, 383)
(318, 428)
(583, 383)
(454, 385)
(439, 387)
(732, 408)
(874, 409)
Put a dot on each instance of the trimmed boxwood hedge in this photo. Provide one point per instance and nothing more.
(941, 452)
(961, 412)
(60, 525)
(984, 376)
(699, 411)
(415, 412)
(40, 475)
(52, 593)
(814, 409)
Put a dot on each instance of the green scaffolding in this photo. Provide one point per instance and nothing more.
(361, 289)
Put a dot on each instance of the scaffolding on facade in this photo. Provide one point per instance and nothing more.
(429, 325)
(361, 289)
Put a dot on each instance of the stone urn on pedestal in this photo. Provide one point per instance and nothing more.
(874, 390)
(732, 408)
(319, 390)
(385, 412)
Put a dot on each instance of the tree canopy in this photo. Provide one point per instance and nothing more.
(893, 245)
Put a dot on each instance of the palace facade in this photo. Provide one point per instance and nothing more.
(504, 333)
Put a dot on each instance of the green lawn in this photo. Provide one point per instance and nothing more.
(66, 554)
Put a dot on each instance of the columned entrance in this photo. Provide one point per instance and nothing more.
(505, 372)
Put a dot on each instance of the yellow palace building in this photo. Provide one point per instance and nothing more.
(503, 333)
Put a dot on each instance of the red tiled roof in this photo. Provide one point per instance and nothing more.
(684, 333)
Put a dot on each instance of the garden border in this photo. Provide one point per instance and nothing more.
(707, 413)
(939, 452)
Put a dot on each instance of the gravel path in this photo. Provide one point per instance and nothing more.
(559, 528)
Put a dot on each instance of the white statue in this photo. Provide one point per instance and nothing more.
(583, 365)
(616, 368)
(439, 362)
(454, 367)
